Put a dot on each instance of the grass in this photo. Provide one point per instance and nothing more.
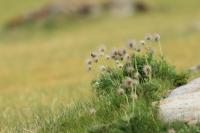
(41, 69)
(121, 112)
(22, 7)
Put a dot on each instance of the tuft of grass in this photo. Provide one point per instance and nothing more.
(122, 105)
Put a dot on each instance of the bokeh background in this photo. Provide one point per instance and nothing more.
(44, 44)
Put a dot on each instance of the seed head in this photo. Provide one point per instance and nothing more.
(114, 52)
(121, 58)
(92, 111)
(102, 49)
(89, 67)
(108, 57)
(156, 37)
(120, 92)
(89, 62)
(129, 69)
(93, 55)
(95, 59)
(142, 42)
(171, 131)
(131, 44)
(117, 62)
(102, 68)
(113, 57)
(148, 37)
(134, 96)
(147, 70)
(138, 49)
(127, 58)
(122, 52)
(120, 66)
(128, 82)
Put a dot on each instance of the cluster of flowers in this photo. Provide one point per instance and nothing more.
(122, 57)
(123, 54)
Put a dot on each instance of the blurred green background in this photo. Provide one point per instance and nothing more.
(42, 66)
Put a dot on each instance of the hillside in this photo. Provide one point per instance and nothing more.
(43, 70)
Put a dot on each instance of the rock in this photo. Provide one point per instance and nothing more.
(182, 104)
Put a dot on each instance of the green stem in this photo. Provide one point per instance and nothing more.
(160, 47)
(136, 64)
(127, 100)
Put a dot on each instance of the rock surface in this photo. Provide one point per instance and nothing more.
(182, 104)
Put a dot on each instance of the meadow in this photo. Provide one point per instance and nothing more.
(43, 70)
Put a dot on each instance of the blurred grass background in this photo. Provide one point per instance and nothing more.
(42, 69)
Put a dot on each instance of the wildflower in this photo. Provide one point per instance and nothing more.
(138, 50)
(122, 52)
(171, 131)
(102, 68)
(93, 55)
(113, 57)
(109, 70)
(120, 66)
(92, 111)
(131, 44)
(129, 69)
(156, 37)
(95, 59)
(142, 42)
(89, 67)
(147, 70)
(114, 52)
(102, 49)
(117, 62)
(120, 92)
(134, 96)
(89, 62)
(128, 82)
(108, 57)
(127, 57)
(148, 37)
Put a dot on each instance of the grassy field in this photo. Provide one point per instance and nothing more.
(44, 70)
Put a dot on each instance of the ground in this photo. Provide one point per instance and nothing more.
(44, 69)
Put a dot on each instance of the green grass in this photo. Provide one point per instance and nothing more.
(120, 113)
(43, 70)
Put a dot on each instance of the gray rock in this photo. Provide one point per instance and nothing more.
(182, 104)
